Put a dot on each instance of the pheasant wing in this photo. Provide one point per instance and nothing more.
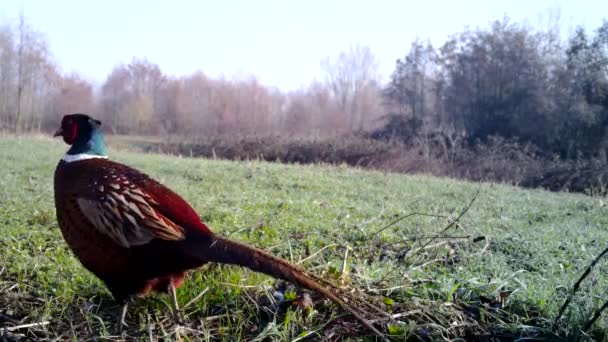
(127, 215)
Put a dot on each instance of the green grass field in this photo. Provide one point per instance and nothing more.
(531, 245)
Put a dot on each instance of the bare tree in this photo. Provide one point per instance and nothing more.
(7, 76)
(20, 68)
(74, 95)
(27, 77)
(114, 93)
(194, 104)
(408, 88)
(349, 75)
(130, 97)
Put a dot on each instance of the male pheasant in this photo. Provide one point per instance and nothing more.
(137, 235)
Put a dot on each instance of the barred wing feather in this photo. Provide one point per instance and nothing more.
(126, 214)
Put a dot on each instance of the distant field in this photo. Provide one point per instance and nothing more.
(529, 244)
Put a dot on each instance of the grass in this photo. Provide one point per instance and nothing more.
(525, 246)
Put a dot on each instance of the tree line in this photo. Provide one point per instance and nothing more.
(507, 80)
(139, 98)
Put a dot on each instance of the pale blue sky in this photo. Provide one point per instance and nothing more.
(280, 42)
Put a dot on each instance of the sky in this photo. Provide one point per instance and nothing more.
(281, 42)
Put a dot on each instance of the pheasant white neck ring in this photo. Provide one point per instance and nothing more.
(69, 158)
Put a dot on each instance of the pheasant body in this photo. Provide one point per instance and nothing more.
(133, 262)
(137, 235)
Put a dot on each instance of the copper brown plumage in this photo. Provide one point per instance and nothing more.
(137, 235)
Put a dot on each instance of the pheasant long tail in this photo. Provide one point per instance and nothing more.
(226, 251)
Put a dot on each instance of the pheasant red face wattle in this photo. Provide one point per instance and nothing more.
(68, 130)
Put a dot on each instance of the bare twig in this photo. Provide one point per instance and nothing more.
(452, 223)
(414, 238)
(576, 287)
(399, 219)
(596, 315)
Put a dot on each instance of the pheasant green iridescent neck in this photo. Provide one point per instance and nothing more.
(91, 144)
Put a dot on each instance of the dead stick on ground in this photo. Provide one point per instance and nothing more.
(576, 286)
(596, 315)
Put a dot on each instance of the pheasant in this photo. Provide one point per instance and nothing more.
(137, 235)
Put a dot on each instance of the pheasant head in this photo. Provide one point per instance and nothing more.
(83, 133)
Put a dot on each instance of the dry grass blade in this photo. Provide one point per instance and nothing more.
(344, 263)
(316, 253)
(195, 299)
(24, 326)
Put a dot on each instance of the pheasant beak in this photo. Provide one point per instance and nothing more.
(58, 133)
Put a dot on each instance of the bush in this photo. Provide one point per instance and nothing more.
(436, 153)
(352, 150)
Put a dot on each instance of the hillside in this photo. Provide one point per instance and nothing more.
(527, 245)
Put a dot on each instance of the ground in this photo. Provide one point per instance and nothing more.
(525, 246)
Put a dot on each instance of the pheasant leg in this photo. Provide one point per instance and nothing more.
(123, 315)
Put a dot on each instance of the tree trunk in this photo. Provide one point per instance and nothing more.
(20, 72)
